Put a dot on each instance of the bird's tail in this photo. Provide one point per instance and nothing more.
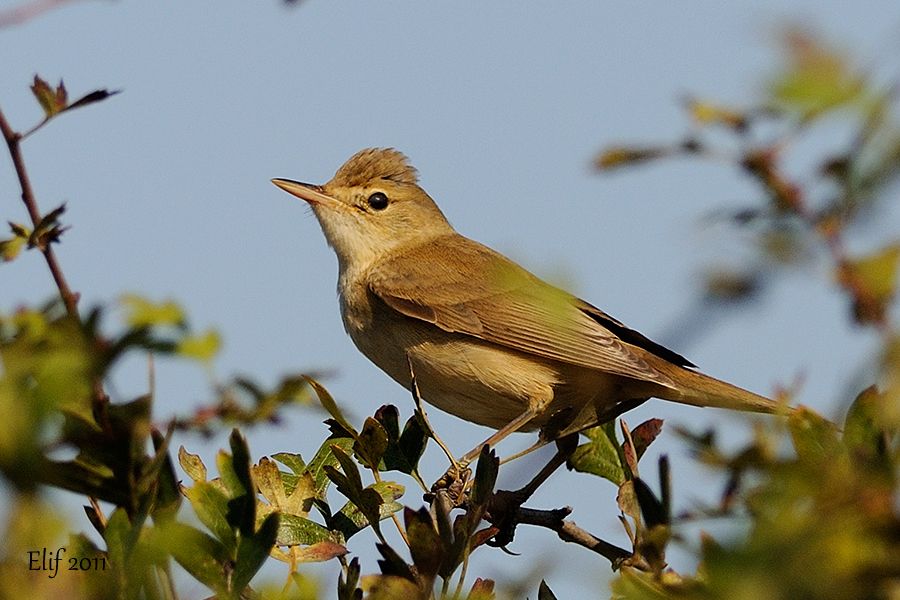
(698, 389)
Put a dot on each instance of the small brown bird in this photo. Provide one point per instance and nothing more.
(488, 341)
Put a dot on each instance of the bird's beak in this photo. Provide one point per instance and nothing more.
(305, 191)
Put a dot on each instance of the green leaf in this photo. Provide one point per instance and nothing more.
(862, 431)
(202, 347)
(120, 537)
(708, 113)
(349, 483)
(295, 530)
(48, 230)
(326, 457)
(294, 462)
(168, 493)
(817, 78)
(404, 449)
(330, 405)
(371, 443)
(253, 550)
(211, 506)
(599, 455)
(815, 438)
(140, 312)
(11, 248)
(638, 585)
(192, 464)
(205, 558)
(424, 544)
(53, 101)
(350, 520)
(878, 271)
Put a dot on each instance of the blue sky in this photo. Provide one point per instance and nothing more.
(501, 107)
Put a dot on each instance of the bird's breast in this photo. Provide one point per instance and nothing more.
(467, 377)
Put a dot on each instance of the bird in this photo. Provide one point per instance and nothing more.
(485, 339)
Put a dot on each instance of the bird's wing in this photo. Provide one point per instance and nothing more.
(464, 287)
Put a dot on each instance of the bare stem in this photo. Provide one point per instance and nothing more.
(568, 531)
(12, 137)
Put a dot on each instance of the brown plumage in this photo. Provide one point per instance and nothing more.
(488, 340)
(373, 164)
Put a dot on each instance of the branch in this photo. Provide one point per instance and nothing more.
(69, 298)
(26, 12)
(12, 137)
(568, 531)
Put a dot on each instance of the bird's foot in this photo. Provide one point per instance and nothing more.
(456, 481)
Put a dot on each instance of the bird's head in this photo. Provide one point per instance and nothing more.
(371, 206)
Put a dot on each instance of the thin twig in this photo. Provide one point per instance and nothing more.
(12, 137)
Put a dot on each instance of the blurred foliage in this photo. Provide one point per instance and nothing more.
(821, 519)
(818, 89)
(819, 504)
(815, 505)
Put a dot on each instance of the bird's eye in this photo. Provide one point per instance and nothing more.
(378, 201)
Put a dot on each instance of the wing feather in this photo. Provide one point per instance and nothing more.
(464, 287)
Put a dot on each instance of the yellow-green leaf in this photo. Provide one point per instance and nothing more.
(140, 312)
(877, 272)
(10, 248)
(816, 78)
(599, 455)
(203, 347)
(192, 465)
(707, 113)
(53, 101)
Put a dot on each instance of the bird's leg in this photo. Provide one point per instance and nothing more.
(417, 398)
(540, 443)
(504, 504)
(511, 427)
(456, 479)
